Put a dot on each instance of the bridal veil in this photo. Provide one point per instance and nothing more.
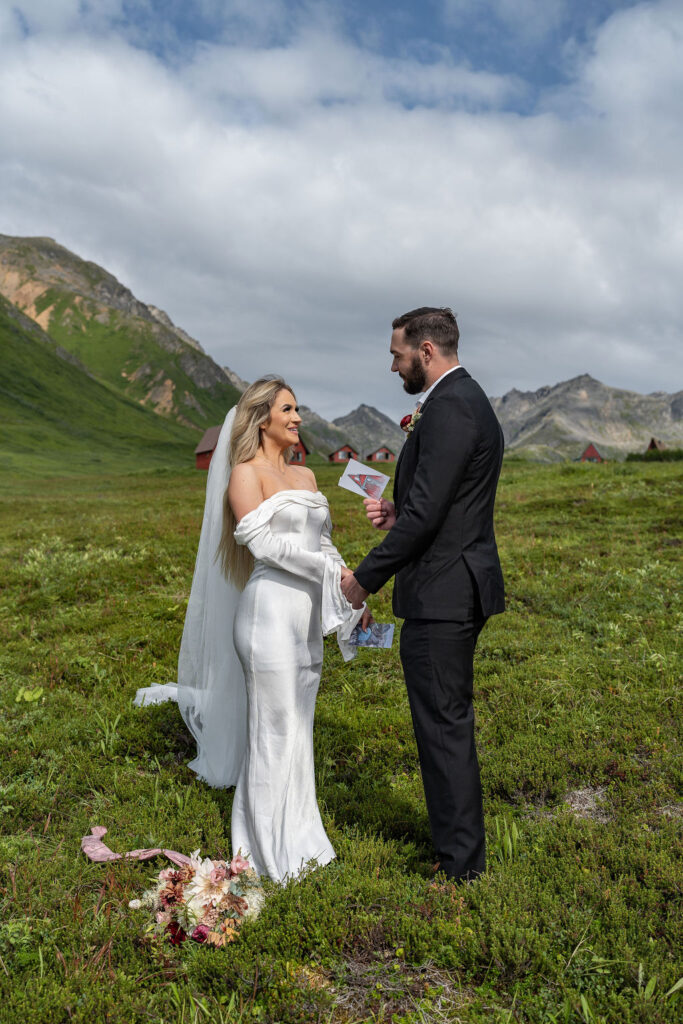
(211, 692)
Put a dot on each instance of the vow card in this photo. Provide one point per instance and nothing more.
(361, 480)
(379, 634)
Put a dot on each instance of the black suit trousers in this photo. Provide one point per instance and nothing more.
(437, 658)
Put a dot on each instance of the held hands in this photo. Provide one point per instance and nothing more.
(367, 618)
(355, 594)
(380, 512)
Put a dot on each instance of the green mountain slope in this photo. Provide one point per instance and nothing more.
(56, 418)
(133, 347)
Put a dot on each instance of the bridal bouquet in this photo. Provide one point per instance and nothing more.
(205, 900)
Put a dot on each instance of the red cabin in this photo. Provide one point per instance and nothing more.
(382, 454)
(206, 447)
(299, 453)
(342, 454)
(591, 454)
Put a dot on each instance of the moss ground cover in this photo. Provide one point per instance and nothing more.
(578, 918)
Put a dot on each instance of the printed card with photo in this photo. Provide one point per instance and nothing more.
(360, 479)
(379, 634)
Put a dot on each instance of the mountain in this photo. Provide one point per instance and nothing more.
(55, 417)
(366, 428)
(133, 347)
(235, 379)
(92, 324)
(136, 349)
(559, 421)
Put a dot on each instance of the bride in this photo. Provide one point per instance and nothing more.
(266, 588)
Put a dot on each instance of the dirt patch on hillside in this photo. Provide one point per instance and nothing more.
(161, 397)
(23, 295)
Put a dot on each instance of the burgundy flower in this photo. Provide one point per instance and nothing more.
(200, 933)
(176, 934)
(405, 421)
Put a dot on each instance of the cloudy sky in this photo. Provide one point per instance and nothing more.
(284, 177)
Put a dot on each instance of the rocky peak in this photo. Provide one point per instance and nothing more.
(31, 266)
(165, 319)
(561, 419)
(366, 428)
(235, 379)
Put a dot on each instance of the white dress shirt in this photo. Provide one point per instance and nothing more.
(429, 390)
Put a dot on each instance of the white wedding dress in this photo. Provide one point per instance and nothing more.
(249, 668)
(292, 595)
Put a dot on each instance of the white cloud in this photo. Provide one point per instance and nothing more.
(319, 69)
(530, 20)
(283, 205)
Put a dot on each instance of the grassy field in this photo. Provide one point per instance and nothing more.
(578, 918)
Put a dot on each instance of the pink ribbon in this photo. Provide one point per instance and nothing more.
(93, 847)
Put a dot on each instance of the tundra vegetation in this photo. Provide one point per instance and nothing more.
(578, 918)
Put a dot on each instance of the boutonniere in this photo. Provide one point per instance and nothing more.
(408, 422)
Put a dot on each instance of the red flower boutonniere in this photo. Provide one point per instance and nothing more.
(408, 422)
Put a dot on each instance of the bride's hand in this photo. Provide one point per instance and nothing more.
(366, 619)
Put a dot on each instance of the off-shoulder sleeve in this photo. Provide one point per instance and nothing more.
(254, 531)
(324, 567)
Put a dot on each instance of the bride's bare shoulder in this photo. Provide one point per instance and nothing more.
(307, 477)
(243, 472)
(245, 492)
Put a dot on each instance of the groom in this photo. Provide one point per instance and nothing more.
(441, 547)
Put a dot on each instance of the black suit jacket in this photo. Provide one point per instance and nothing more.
(444, 492)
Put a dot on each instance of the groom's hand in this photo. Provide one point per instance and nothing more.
(352, 591)
(381, 512)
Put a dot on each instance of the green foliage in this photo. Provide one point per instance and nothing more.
(577, 695)
(506, 842)
(656, 455)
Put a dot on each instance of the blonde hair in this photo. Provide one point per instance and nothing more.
(253, 410)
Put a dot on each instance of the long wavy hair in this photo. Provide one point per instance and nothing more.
(253, 410)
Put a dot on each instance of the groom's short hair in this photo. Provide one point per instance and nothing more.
(434, 322)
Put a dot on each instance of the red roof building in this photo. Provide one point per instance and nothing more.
(591, 454)
(382, 454)
(342, 454)
(206, 447)
(299, 453)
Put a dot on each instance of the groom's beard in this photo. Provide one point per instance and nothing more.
(415, 379)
